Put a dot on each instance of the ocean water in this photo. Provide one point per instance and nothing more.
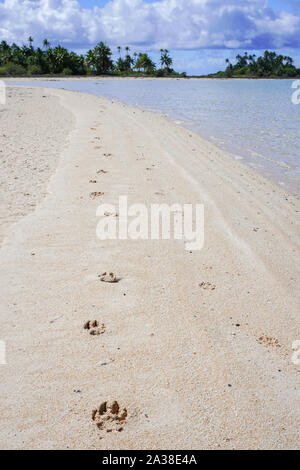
(255, 120)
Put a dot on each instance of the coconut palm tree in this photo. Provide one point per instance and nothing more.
(46, 43)
(165, 60)
(144, 62)
(99, 58)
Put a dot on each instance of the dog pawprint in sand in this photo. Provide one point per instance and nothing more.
(94, 327)
(110, 417)
(108, 277)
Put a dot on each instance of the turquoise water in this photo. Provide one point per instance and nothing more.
(255, 120)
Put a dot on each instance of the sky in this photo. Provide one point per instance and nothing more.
(200, 34)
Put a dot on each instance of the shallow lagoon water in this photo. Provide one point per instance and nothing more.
(255, 120)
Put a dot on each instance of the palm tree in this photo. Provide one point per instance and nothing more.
(161, 57)
(144, 62)
(99, 58)
(165, 59)
(30, 40)
(90, 59)
(119, 49)
(46, 43)
(229, 68)
(134, 58)
(5, 52)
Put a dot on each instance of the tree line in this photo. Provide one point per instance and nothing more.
(270, 65)
(46, 60)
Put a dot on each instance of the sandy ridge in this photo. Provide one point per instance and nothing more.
(33, 133)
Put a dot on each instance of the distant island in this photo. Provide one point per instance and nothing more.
(26, 60)
(270, 65)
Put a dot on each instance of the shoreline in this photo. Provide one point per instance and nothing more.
(195, 368)
(277, 179)
(106, 77)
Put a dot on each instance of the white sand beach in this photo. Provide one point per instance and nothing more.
(195, 345)
(31, 140)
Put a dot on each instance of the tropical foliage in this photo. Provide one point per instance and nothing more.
(270, 65)
(165, 60)
(46, 60)
(28, 60)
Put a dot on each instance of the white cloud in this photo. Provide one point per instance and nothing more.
(175, 24)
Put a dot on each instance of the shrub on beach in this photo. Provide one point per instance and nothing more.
(160, 73)
(34, 70)
(11, 69)
(67, 71)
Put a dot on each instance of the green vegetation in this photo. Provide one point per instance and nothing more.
(27, 60)
(270, 65)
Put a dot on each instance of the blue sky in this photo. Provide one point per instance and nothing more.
(276, 4)
(101, 3)
(199, 33)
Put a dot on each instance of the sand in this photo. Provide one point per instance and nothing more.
(31, 139)
(195, 366)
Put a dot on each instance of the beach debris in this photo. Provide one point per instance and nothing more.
(95, 194)
(109, 417)
(269, 341)
(207, 286)
(100, 171)
(55, 319)
(93, 181)
(107, 363)
(111, 277)
(97, 147)
(94, 328)
(107, 154)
